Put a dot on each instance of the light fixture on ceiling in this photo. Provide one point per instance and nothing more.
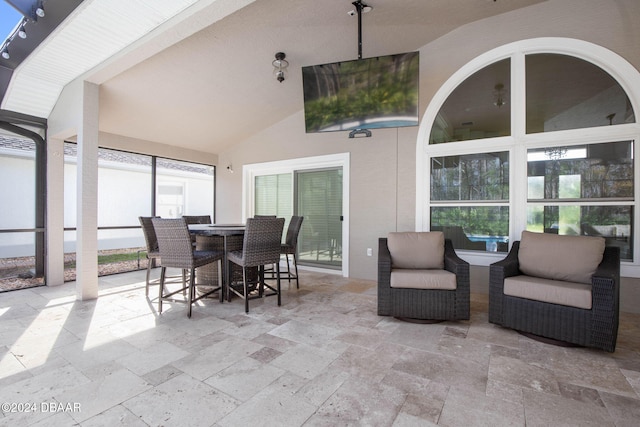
(555, 153)
(499, 95)
(22, 32)
(40, 10)
(280, 65)
(5, 53)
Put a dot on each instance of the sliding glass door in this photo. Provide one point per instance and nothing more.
(315, 195)
(318, 198)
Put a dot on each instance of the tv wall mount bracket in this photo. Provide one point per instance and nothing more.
(360, 9)
(365, 132)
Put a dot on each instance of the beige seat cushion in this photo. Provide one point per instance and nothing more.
(423, 279)
(546, 290)
(557, 257)
(421, 250)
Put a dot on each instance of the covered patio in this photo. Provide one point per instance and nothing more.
(197, 82)
(323, 357)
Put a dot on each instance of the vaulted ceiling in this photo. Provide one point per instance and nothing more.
(215, 86)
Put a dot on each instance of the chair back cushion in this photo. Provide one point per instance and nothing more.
(559, 257)
(417, 250)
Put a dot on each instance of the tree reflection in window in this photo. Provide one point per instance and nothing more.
(481, 176)
(602, 171)
(562, 187)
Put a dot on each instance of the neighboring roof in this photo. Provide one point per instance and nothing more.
(15, 142)
(26, 145)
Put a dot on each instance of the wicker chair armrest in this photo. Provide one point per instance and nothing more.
(498, 271)
(452, 262)
(384, 261)
(606, 281)
(610, 265)
(509, 266)
(605, 294)
(384, 278)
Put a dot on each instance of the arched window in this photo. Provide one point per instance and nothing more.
(537, 135)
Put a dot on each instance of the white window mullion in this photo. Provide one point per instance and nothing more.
(636, 194)
(518, 96)
(518, 187)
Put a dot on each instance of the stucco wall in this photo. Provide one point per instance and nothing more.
(383, 167)
(380, 165)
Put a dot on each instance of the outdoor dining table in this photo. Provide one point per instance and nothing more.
(225, 237)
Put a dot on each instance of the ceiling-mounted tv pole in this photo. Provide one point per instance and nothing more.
(360, 9)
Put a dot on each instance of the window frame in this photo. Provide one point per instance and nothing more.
(519, 142)
(70, 224)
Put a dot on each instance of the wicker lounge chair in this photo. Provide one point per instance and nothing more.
(573, 309)
(421, 277)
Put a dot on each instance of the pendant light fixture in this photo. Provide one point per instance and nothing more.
(280, 65)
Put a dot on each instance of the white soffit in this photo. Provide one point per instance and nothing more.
(97, 30)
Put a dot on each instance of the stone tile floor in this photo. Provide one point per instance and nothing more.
(324, 358)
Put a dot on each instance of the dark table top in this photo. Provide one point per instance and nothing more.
(217, 229)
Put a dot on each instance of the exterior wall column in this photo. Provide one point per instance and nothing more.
(54, 263)
(87, 196)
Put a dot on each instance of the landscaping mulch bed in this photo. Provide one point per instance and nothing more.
(13, 271)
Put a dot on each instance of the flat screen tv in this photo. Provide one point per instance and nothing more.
(366, 93)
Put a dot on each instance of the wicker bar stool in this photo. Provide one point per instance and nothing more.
(153, 253)
(176, 251)
(196, 219)
(261, 246)
(151, 241)
(290, 247)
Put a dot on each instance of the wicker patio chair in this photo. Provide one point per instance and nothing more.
(261, 246)
(151, 241)
(290, 247)
(176, 251)
(196, 219)
(153, 253)
(431, 283)
(592, 323)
